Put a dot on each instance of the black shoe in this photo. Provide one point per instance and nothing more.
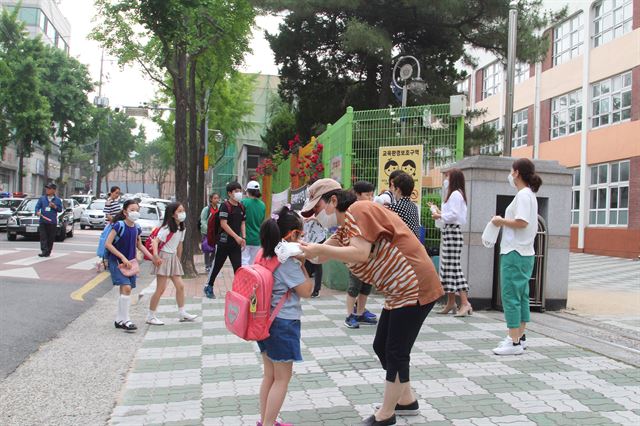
(371, 421)
(128, 326)
(118, 324)
(315, 294)
(42, 255)
(412, 409)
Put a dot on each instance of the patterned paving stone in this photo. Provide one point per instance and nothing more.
(198, 373)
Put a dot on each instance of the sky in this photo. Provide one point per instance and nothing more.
(129, 86)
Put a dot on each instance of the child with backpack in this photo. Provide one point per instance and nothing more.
(167, 245)
(230, 234)
(282, 347)
(120, 246)
(208, 212)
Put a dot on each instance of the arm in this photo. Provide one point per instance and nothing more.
(109, 246)
(179, 250)
(226, 228)
(306, 288)
(204, 217)
(356, 252)
(144, 250)
(510, 223)
(39, 207)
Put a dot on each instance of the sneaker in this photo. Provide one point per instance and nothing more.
(128, 326)
(363, 319)
(508, 341)
(187, 317)
(509, 349)
(366, 313)
(315, 294)
(371, 421)
(154, 321)
(351, 322)
(208, 292)
(412, 409)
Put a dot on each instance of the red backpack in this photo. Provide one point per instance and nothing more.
(247, 307)
(149, 242)
(213, 224)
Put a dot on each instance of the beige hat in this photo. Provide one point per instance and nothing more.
(316, 191)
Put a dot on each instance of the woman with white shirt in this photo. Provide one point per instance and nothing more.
(454, 215)
(517, 255)
(168, 246)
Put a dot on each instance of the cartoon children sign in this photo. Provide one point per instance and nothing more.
(407, 158)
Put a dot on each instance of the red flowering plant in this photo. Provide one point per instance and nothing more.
(312, 163)
(269, 166)
(294, 145)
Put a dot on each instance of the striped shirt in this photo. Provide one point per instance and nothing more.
(398, 266)
(111, 208)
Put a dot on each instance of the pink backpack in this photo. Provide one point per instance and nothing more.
(248, 305)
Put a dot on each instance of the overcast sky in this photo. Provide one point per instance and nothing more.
(130, 86)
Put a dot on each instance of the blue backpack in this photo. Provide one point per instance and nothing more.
(102, 251)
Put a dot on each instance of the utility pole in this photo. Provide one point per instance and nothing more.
(100, 102)
(511, 69)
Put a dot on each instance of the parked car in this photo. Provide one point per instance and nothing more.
(83, 199)
(159, 202)
(7, 207)
(149, 218)
(25, 222)
(70, 203)
(93, 216)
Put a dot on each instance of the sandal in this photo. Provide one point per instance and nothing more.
(128, 326)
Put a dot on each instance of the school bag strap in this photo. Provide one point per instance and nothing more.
(272, 264)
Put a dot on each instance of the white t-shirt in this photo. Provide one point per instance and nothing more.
(171, 246)
(525, 207)
(454, 211)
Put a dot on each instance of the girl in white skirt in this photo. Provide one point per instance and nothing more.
(168, 246)
(454, 216)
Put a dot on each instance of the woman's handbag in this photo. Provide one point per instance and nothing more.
(129, 272)
(206, 248)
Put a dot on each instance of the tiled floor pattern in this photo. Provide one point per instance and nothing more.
(198, 373)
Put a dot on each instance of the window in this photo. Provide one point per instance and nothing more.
(613, 18)
(50, 31)
(568, 39)
(28, 15)
(42, 21)
(520, 128)
(611, 100)
(492, 80)
(575, 199)
(566, 114)
(522, 72)
(496, 147)
(463, 86)
(609, 194)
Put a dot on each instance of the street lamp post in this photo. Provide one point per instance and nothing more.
(511, 70)
(100, 102)
(409, 82)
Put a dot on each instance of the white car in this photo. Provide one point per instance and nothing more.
(160, 202)
(70, 203)
(150, 217)
(83, 199)
(7, 207)
(93, 216)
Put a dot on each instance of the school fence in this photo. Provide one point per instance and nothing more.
(351, 148)
(223, 171)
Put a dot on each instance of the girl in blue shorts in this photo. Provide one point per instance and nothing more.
(121, 245)
(282, 347)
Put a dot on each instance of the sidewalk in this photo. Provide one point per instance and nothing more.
(198, 373)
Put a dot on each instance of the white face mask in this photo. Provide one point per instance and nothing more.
(133, 216)
(182, 216)
(511, 182)
(237, 196)
(327, 221)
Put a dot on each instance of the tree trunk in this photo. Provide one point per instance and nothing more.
(20, 167)
(180, 94)
(61, 184)
(106, 181)
(191, 238)
(46, 165)
(126, 179)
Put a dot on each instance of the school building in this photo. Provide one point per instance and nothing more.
(581, 107)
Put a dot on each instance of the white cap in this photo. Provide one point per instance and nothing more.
(253, 185)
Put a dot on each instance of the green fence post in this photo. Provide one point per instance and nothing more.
(460, 139)
(348, 149)
(325, 139)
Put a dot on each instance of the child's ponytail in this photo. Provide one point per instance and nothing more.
(269, 237)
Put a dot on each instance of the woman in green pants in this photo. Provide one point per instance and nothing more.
(517, 255)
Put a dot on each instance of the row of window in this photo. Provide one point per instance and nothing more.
(608, 194)
(610, 104)
(34, 17)
(612, 19)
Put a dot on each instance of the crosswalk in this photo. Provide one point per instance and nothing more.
(19, 263)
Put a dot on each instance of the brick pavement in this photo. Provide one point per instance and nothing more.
(198, 373)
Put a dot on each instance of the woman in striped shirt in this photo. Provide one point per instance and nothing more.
(378, 248)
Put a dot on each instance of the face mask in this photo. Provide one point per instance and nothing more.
(511, 182)
(133, 216)
(327, 221)
(237, 196)
(182, 216)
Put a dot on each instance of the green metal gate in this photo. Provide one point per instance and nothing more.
(223, 171)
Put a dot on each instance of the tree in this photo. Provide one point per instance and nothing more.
(162, 152)
(176, 35)
(281, 127)
(338, 53)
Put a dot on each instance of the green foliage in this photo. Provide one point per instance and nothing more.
(339, 53)
(116, 139)
(281, 127)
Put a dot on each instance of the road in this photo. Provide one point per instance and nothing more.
(36, 293)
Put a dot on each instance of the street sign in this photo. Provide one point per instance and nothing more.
(136, 112)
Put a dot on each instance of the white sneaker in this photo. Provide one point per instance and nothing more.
(154, 321)
(510, 349)
(507, 341)
(187, 317)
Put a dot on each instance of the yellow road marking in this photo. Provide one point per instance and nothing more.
(79, 293)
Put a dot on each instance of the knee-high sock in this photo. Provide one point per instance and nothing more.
(123, 308)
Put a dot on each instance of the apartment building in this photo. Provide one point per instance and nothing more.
(42, 18)
(581, 107)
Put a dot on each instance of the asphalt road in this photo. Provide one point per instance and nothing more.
(35, 293)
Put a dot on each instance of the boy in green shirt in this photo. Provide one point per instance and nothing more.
(255, 211)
